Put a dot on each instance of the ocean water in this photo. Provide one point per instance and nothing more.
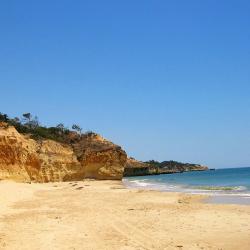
(231, 185)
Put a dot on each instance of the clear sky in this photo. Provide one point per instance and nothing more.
(164, 79)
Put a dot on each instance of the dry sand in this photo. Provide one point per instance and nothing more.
(105, 215)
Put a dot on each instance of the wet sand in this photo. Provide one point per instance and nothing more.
(228, 199)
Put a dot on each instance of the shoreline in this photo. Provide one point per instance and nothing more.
(208, 197)
(107, 215)
(219, 189)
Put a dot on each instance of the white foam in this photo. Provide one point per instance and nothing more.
(147, 184)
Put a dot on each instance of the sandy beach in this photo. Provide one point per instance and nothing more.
(106, 215)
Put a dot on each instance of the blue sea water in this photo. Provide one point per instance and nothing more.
(231, 185)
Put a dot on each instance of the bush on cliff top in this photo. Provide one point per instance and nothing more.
(30, 125)
(172, 165)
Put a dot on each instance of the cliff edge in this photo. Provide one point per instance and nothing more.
(87, 156)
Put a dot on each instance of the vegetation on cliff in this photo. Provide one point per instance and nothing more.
(136, 168)
(175, 166)
(29, 124)
(32, 152)
(60, 153)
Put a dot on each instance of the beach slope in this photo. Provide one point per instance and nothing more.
(105, 215)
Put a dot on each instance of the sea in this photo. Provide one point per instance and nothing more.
(227, 185)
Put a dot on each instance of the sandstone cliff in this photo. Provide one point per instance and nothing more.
(88, 156)
(134, 167)
(137, 168)
(100, 158)
(18, 158)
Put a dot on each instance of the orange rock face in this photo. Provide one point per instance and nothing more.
(18, 158)
(101, 159)
(105, 164)
(24, 159)
(58, 162)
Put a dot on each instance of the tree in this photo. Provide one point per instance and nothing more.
(27, 117)
(4, 117)
(77, 128)
(34, 123)
(61, 128)
(90, 133)
(16, 120)
(31, 123)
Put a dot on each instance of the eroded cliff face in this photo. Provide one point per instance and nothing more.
(18, 159)
(134, 167)
(58, 162)
(100, 158)
(24, 159)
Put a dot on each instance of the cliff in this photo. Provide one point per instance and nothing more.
(100, 158)
(31, 152)
(88, 156)
(137, 168)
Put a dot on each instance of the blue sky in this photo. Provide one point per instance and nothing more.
(164, 79)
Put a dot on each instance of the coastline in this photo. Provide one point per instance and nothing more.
(209, 196)
(224, 186)
(106, 215)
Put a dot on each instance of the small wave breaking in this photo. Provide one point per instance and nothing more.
(208, 190)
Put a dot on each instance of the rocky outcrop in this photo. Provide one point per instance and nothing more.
(167, 167)
(100, 158)
(87, 156)
(138, 168)
(18, 158)
(58, 162)
(25, 159)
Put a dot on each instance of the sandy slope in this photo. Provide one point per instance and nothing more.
(104, 215)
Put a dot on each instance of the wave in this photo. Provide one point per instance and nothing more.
(242, 191)
(140, 183)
